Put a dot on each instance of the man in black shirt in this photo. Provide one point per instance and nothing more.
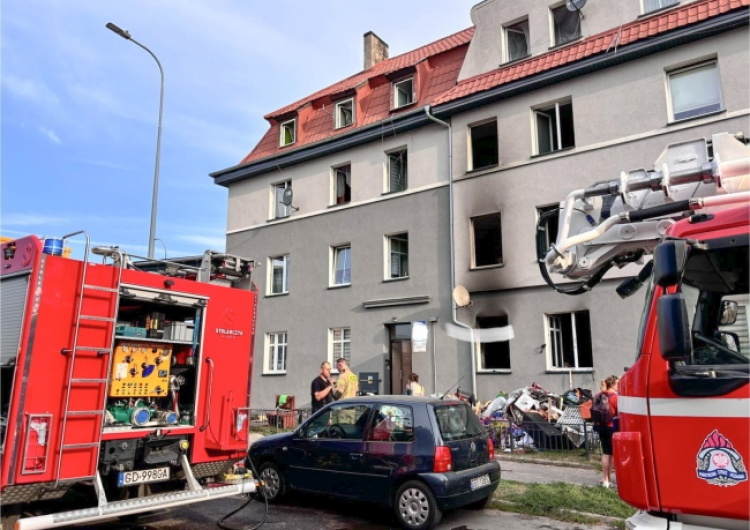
(322, 387)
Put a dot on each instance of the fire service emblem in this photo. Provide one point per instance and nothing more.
(719, 463)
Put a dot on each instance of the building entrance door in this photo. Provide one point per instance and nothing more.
(399, 356)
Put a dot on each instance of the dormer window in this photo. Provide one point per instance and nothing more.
(344, 113)
(565, 25)
(288, 133)
(403, 93)
(517, 41)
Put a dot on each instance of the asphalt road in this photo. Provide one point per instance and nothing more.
(309, 512)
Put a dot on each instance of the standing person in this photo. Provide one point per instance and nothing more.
(347, 385)
(414, 388)
(606, 430)
(321, 390)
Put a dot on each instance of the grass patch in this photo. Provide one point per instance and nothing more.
(560, 501)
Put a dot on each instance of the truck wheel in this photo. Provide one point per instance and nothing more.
(416, 507)
(274, 486)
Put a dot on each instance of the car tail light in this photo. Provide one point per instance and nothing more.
(490, 449)
(443, 460)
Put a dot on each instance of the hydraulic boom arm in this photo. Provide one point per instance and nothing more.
(617, 222)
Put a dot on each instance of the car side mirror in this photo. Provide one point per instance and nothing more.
(674, 328)
(669, 262)
(728, 312)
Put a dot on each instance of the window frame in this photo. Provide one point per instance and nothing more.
(555, 127)
(335, 183)
(332, 355)
(334, 253)
(279, 210)
(282, 129)
(388, 251)
(506, 40)
(660, 8)
(285, 278)
(481, 351)
(474, 245)
(471, 154)
(397, 152)
(550, 328)
(544, 209)
(395, 91)
(686, 68)
(553, 26)
(338, 113)
(272, 342)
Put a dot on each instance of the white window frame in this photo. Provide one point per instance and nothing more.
(334, 252)
(397, 90)
(506, 41)
(555, 133)
(553, 33)
(276, 345)
(663, 4)
(342, 342)
(684, 69)
(341, 113)
(388, 156)
(283, 127)
(335, 183)
(285, 273)
(553, 331)
(278, 209)
(388, 252)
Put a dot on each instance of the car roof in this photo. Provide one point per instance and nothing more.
(395, 398)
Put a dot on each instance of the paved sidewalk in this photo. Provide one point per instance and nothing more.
(513, 469)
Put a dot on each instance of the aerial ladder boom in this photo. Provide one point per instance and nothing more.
(617, 222)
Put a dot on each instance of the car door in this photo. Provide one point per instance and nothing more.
(389, 449)
(328, 456)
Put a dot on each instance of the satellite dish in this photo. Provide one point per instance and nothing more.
(461, 296)
(287, 196)
(575, 5)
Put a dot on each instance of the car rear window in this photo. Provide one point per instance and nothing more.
(457, 422)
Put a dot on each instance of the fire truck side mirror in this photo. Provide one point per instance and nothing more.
(669, 262)
(674, 327)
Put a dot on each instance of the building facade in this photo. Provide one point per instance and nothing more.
(371, 200)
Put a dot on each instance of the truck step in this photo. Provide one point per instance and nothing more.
(100, 288)
(93, 348)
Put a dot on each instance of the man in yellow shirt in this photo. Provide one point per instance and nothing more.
(347, 385)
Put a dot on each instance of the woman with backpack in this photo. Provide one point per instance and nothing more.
(604, 414)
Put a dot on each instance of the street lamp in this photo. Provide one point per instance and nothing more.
(152, 232)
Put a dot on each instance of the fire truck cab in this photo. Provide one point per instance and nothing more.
(124, 384)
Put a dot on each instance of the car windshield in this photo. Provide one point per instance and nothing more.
(457, 422)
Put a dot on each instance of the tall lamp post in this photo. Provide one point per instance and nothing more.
(154, 198)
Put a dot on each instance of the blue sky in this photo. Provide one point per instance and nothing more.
(80, 104)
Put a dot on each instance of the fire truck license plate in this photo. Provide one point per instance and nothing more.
(479, 482)
(129, 478)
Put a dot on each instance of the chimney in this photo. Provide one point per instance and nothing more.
(375, 50)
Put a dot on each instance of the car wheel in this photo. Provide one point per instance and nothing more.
(416, 507)
(274, 486)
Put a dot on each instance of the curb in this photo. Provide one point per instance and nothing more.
(598, 517)
(541, 462)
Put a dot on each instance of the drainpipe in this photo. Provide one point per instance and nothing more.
(452, 249)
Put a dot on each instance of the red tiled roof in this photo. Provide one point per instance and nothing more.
(437, 64)
(596, 44)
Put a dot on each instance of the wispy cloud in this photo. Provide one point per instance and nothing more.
(22, 219)
(49, 134)
(30, 90)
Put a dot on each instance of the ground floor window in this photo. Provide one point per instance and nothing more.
(569, 340)
(494, 355)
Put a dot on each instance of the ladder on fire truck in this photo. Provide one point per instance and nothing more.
(89, 359)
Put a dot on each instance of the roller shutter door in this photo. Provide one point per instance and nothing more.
(12, 302)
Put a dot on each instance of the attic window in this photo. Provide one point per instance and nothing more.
(403, 93)
(566, 25)
(344, 113)
(288, 133)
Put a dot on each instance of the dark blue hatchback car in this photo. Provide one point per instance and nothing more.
(418, 455)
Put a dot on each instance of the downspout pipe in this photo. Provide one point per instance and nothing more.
(453, 250)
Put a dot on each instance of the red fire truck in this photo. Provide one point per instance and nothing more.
(125, 384)
(683, 448)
